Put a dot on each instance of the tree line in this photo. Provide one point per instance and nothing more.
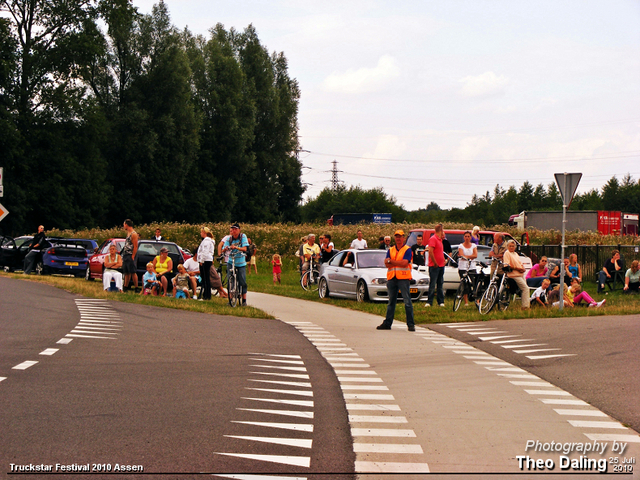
(492, 208)
(107, 113)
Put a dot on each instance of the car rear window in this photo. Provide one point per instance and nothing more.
(154, 248)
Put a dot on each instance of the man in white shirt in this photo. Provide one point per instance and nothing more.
(359, 243)
(193, 270)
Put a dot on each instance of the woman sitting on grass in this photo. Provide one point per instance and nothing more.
(576, 295)
(632, 278)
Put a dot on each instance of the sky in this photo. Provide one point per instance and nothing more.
(435, 101)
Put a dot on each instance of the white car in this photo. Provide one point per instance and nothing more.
(361, 274)
(451, 277)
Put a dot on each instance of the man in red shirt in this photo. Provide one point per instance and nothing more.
(436, 267)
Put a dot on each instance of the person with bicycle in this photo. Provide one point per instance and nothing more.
(398, 263)
(237, 245)
(310, 252)
(497, 252)
(467, 254)
(516, 271)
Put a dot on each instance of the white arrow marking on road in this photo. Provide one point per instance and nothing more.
(289, 413)
(286, 460)
(298, 427)
(291, 442)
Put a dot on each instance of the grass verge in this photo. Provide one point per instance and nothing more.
(617, 302)
(217, 306)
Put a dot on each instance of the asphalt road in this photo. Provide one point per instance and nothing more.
(594, 358)
(171, 391)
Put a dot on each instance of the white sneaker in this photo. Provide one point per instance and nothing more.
(195, 297)
(599, 304)
(427, 304)
(442, 304)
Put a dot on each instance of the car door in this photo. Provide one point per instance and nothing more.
(332, 270)
(347, 276)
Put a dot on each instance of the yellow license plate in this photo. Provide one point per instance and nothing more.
(413, 290)
(71, 264)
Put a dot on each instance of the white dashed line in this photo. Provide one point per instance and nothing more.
(25, 365)
(49, 351)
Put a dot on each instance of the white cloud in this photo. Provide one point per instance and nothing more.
(364, 80)
(485, 85)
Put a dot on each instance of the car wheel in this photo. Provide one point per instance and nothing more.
(87, 274)
(323, 288)
(362, 295)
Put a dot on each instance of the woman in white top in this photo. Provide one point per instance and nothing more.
(205, 259)
(467, 254)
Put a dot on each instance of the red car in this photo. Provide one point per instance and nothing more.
(147, 251)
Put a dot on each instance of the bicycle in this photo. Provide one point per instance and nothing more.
(473, 286)
(498, 292)
(309, 279)
(235, 293)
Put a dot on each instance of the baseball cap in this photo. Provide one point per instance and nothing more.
(399, 232)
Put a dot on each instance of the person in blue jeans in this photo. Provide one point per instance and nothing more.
(237, 244)
(436, 267)
(398, 262)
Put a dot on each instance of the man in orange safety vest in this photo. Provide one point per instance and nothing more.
(398, 263)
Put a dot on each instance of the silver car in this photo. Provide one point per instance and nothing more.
(361, 274)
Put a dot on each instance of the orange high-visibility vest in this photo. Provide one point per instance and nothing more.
(401, 273)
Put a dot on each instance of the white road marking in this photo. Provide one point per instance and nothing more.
(291, 384)
(284, 459)
(300, 403)
(542, 357)
(560, 393)
(513, 341)
(25, 365)
(298, 427)
(387, 448)
(350, 365)
(287, 375)
(390, 467)
(364, 387)
(593, 424)
(531, 384)
(562, 401)
(343, 359)
(291, 442)
(302, 393)
(289, 413)
(88, 336)
(377, 419)
(493, 362)
(291, 362)
(579, 413)
(486, 332)
(537, 350)
(2, 378)
(611, 437)
(65, 341)
(372, 407)
(355, 372)
(293, 369)
(366, 396)
(382, 432)
(49, 351)
(276, 355)
(515, 375)
(257, 477)
(525, 346)
(86, 330)
(488, 339)
(359, 379)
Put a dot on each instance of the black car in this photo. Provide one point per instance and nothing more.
(13, 251)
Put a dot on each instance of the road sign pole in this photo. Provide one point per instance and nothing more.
(564, 223)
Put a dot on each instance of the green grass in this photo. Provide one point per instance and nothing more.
(217, 306)
(617, 302)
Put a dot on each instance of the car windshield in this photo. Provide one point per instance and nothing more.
(372, 259)
(22, 240)
(105, 246)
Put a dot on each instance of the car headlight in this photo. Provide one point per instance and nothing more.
(423, 281)
(379, 281)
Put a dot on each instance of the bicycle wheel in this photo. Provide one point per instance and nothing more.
(488, 299)
(504, 298)
(309, 281)
(232, 290)
(457, 301)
